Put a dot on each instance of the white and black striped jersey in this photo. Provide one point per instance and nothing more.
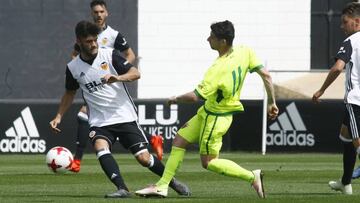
(112, 39)
(349, 53)
(107, 103)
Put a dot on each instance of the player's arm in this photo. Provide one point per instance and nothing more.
(267, 80)
(71, 86)
(206, 88)
(132, 75)
(129, 55)
(334, 72)
(122, 45)
(189, 97)
(65, 103)
(342, 57)
(125, 70)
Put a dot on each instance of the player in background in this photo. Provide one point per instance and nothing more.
(220, 88)
(113, 39)
(347, 58)
(101, 74)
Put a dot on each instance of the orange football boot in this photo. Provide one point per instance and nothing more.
(157, 145)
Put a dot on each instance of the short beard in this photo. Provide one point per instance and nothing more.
(87, 54)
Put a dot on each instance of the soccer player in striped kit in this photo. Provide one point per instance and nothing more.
(348, 58)
(112, 39)
(101, 74)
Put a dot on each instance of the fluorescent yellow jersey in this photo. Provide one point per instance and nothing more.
(222, 83)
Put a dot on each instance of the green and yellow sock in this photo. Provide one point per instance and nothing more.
(173, 163)
(230, 168)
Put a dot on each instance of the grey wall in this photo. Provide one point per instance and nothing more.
(36, 39)
(326, 35)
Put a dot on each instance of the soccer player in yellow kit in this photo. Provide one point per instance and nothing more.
(220, 89)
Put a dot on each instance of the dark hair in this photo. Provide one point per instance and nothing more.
(98, 2)
(85, 28)
(352, 9)
(77, 48)
(224, 30)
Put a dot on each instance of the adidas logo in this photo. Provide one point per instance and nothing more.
(124, 43)
(113, 176)
(24, 136)
(289, 130)
(341, 50)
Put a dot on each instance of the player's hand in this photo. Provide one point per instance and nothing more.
(316, 96)
(171, 100)
(273, 111)
(53, 125)
(109, 78)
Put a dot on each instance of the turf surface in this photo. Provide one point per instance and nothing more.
(288, 178)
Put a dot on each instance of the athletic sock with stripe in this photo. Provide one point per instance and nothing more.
(112, 171)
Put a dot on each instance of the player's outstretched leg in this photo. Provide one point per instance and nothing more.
(229, 168)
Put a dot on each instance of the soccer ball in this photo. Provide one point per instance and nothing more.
(59, 159)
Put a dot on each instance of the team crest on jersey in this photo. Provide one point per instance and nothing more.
(104, 66)
(104, 41)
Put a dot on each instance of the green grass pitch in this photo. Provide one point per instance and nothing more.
(288, 178)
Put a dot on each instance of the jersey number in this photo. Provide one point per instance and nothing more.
(236, 84)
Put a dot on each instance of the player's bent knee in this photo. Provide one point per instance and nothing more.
(179, 142)
(206, 159)
(144, 158)
(205, 164)
(100, 143)
(102, 152)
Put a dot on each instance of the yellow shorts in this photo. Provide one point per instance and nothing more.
(207, 130)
